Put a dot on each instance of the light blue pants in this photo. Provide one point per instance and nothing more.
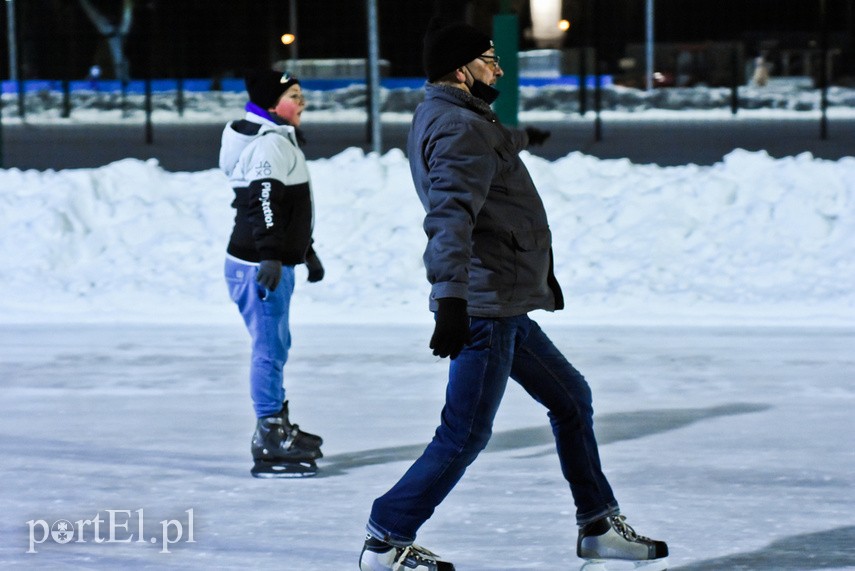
(265, 314)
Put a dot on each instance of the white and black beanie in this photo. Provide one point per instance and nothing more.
(266, 86)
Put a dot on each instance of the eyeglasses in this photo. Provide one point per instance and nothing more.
(490, 60)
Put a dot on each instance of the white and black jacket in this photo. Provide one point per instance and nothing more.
(268, 173)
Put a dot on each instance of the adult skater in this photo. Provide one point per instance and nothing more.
(489, 261)
(272, 233)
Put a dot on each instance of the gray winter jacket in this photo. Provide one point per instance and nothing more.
(488, 237)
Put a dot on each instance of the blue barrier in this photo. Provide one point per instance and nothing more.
(565, 80)
(235, 85)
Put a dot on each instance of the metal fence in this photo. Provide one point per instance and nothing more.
(755, 55)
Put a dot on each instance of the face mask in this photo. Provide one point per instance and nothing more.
(484, 92)
(481, 90)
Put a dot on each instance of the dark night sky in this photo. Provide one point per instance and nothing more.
(207, 38)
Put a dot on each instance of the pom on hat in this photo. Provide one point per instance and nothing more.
(266, 86)
(449, 45)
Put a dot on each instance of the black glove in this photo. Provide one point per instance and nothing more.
(452, 327)
(269, 273)
(313, 264)
(536, 136)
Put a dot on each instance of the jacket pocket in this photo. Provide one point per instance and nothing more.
(531, 260)
(492, 271)
(531, 240)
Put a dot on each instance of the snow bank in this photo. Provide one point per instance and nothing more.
(90, 105)
(751, 239)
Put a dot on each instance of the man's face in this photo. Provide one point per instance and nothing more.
(290, 105)
(486, 67)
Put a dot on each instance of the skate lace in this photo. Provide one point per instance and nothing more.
(623, 528)
(418, 552)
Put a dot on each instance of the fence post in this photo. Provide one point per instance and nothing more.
(734, 81)
(583, 59)
(148, 31)
(22, 101)
(823, 71)
(598, 77)
(650, 53)
(66, 98)
(1, 124)
(372, 68)
(149, 129)
(14, 62)
(124, 95)
(179, 96)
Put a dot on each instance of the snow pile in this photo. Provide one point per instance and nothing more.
(750, 239)
(754, 233)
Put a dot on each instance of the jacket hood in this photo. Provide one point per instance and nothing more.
(235, 140)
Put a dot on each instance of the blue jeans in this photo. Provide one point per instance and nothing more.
(265, 314)
(512, 347)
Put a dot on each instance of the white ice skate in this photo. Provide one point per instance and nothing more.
(380, 556)
(610, 544)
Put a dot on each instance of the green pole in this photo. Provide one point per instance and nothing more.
(506, 38)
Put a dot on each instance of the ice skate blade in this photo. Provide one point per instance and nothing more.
(623, 565)
(295, 470)
(277, 475)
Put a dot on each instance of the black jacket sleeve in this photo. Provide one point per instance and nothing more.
(281, 220)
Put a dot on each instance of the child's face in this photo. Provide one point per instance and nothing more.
(290, 105)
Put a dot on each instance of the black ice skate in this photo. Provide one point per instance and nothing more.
(610, 544)
(380, 556)
(281, 450)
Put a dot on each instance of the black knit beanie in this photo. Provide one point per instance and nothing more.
(449, 45)
(266, 86)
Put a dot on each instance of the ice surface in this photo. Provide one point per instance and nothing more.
(730, 443)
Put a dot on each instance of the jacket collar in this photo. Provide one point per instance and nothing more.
(460, 97)
(256, 114)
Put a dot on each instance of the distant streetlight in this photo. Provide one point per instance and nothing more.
(545, 14)
(564, 25)
(288, 40)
